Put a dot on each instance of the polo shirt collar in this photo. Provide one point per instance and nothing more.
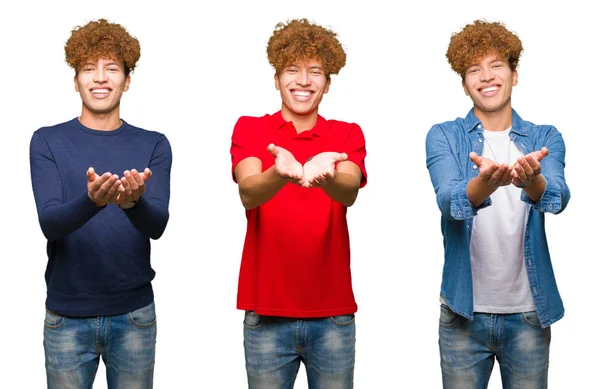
(317, 130)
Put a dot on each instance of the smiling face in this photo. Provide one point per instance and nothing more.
(302, 86)
(100, 85)
(489, 83)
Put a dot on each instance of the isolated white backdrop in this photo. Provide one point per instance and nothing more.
(202, 67)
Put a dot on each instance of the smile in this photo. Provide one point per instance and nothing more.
(489, 89)
(301, 93)
(100, 91)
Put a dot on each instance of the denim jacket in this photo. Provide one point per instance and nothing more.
(450, 169)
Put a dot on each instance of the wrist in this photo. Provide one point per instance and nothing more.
(94, 201)
(530, 182)
(128, 205)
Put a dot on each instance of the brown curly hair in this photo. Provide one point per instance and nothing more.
(101, 39)
(479, 39)
(299, 41)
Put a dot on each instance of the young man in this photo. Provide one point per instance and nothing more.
(495, 175)
(297, 173)
(98, 225)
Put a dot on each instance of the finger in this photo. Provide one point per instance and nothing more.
(91, 174)
(101, 193)
(477, 160)
(140, 183)
(536, 168)
(98, 182)
(322, 180)
(489, 171)
(340, 157)
(520, 172)
(498, 174)
(543, 153)
(133, 185)
(147, 174)
(274, 150)
(126, 187)
(526, 164)
(113, 189)
(137, 177)
(121, 194)
(507, 176)
(113, 198)
(315, 183)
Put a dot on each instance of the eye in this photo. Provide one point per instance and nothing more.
(113, 69)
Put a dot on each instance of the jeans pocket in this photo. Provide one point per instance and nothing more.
(447, 317)
(532, 319)
(144, 316)
(343, 320)
(53, 320)
(252, 320)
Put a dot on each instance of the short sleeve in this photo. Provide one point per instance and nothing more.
(356, 149)
(243, 143)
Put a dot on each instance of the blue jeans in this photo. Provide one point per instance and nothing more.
(275, 346)
(73, 347)
(468, 349)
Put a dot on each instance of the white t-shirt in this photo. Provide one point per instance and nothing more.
(500, 283)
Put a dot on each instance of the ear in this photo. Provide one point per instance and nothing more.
(276, 77)
(515, 75)
(127, 82)
(465, 89)
(76, 84)
(326, 89)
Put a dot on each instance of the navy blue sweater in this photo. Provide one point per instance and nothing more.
(98, 257)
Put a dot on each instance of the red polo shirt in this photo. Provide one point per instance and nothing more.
(296, 258)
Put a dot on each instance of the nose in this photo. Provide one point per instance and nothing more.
(303, 78)
(486, 74)
(100, 75)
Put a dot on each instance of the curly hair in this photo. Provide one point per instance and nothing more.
(479, 39)
(101, 39)
(299, 41)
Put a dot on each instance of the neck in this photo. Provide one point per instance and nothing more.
(498, 120)
(100, 121)
(301, 122)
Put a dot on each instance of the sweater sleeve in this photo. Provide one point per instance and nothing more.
(57, 218)
(151, 213)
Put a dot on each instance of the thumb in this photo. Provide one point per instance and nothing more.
(274, 150)
(475, 158)
(341, 157)
(91, 174)
(543, 153)
(147, 174)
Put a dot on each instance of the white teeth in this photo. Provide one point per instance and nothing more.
(490, 89)
(96, 91)
(301, 93)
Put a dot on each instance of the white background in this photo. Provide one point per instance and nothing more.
(204, 66)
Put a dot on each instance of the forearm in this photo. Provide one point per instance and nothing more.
(257, 189)
(343, 188)
(149, 217)
(57, 221)
(478, 191)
